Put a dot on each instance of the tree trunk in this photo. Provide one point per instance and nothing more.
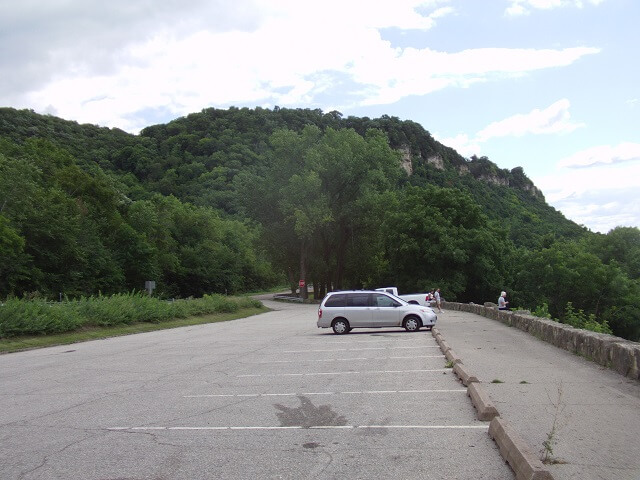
(304, 292)
(292, 281)
(340, 257)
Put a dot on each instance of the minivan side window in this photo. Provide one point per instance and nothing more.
(338, 300)
(358, 300)
(380, 300)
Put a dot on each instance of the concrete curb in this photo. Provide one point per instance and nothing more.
(444, 346)
(516, 452)
(482, 402)
(465, 377)
(513, 449)
(451, 356)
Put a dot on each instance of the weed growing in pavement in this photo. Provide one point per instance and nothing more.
(546, 454)
(524, 382)
(495, 380)
(449, 364)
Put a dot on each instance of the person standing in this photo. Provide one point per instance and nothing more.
(503, 304)
(436, 295)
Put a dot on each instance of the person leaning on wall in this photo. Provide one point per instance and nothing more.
(503, 304)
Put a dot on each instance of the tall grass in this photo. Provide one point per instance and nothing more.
(38, 317)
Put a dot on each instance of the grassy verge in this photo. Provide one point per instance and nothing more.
(15, 344)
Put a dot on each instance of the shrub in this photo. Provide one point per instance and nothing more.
(580, 320)
(542, 311)
(123, 308)
(36, 317)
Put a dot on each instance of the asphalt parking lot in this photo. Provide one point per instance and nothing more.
(269, 396)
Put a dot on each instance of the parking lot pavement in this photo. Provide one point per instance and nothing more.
(269, 396)
(588, 415)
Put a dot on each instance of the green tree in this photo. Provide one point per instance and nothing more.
(622, 246)
(13, 261)
(567, 272)
(317, 196)
(439, 238)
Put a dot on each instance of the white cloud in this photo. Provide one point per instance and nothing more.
(524, 7)
(284, 52)
(603, 155)
(601, 210)
(394, 73)
(552, 120)
(605, 193)
(461, 144)
(281, 51)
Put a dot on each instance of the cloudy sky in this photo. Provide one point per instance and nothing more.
(549, 85)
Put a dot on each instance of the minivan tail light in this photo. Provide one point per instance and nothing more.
(319, 313)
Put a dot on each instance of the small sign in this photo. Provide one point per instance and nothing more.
(149, 286)
(301, 283)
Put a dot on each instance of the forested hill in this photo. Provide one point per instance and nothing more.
(195, 158)
(237, 199)
(232, 140)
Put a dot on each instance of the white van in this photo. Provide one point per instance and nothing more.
(345, 310)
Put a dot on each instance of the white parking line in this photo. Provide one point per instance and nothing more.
(385, 339)
(350, 359)
(312, 427)
(340, 373)
(359, 349)
(363, 392)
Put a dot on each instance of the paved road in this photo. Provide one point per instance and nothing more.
(597, 411)
(269, 396)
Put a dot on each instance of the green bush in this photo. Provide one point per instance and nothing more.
(122, 309)
(36, 317)
(579, 319)
(542, 311)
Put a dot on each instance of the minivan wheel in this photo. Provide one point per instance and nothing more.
(412, 324)
(340, 326)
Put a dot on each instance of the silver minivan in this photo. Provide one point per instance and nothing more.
(345, 310)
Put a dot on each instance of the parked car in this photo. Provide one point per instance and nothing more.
(416, 298)
(345, 310)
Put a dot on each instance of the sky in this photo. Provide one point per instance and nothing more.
(552, 86)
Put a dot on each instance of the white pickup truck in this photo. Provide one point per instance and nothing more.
(416, 298)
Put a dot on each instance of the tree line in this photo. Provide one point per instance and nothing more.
(226, 201)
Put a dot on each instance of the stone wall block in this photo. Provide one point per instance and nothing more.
(625, 359)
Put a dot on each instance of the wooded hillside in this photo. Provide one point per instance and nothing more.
(225, 201)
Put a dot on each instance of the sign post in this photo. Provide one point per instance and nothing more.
(303, 289)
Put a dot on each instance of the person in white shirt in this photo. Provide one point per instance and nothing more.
(436, 295)
(503, 304)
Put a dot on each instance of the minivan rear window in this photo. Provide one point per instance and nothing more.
(358, 300)
(338, 300)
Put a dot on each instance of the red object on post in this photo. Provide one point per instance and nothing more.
(301, 283)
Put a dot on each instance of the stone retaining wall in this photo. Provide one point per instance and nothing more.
(621, 355)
